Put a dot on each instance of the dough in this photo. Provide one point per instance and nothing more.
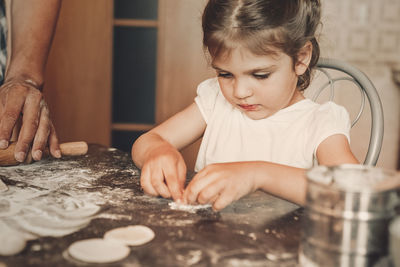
(97, 250)
(187, 207)
(11, 241)
(46, 224)
(11, 244)
(3, 186)
(134, 235)
(75, 209)
(8, 208)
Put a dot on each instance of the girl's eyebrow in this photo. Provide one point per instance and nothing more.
(262, 69)
(270, 68)
(216, 68)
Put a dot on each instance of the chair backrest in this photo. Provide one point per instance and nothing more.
(354, 75)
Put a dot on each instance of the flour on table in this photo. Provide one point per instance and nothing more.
(97, 250)
(188, 208)
(52, 201)
(133, 235)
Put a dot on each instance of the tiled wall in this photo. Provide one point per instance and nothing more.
(362, 31)
(367, 34)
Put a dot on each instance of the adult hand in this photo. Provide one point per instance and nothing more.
(164, 173)
(23, 98)
(220, 184)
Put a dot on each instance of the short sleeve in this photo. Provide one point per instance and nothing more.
(328, 119)
(207, 93)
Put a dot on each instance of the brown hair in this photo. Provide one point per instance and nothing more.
(264, 27)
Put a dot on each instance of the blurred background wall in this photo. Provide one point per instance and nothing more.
(80, 84)
(366, 33)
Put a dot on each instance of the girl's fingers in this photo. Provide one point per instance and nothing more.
(198, 183)
(145, 182)
(174, 188)
(158, 183)
(223, 200)
(182, 171)
(175, 180)
(211, 192)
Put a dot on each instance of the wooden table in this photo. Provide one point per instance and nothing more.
(258, 230)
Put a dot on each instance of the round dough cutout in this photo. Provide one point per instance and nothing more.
(133, 235)
(97, 250)
(12, 243)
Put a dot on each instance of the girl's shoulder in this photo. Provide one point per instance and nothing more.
(331, 108)
(208, 97)
(330, 113)
(208, 92)
(308, 104)
(208, 86)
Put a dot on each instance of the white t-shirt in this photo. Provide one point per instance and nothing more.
(291, 136)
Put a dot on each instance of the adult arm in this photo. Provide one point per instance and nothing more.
(32, 27)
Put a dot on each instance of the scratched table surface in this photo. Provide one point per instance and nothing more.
(258, 230)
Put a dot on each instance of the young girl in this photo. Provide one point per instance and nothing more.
(258, 130)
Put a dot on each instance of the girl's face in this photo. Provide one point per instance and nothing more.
(257, 85)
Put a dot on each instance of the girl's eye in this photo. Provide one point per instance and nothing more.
(224, 74)
(261, 76)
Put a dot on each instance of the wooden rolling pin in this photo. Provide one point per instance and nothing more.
(67, 149)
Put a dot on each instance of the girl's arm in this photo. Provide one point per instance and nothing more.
(335, 150)
(290, 183)
(157, 152)
(223, 183)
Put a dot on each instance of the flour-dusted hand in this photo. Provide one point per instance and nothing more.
(222, 183)
(157, 153)
(22, 98)
(164, 172)
(32, 26)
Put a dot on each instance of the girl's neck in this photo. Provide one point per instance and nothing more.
(297, 96)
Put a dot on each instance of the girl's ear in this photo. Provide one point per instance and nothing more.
(303, 59)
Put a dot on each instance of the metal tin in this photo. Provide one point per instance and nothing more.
(347, 212)
(394, 241)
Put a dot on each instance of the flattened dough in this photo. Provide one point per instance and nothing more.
(12, 242)
(133, 235)
(97, 250)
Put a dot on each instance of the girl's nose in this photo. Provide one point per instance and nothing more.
(241, 89)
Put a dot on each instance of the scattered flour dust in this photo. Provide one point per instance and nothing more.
(52, 201)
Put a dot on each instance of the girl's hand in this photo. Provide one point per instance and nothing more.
(220, 184)
(164, 173)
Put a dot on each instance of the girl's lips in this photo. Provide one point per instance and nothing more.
(248, 107)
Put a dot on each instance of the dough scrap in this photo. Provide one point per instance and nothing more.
(133, 235)
(98, 250)
(8, 208)
(12, 242)
(187, 207)
(43, 225)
